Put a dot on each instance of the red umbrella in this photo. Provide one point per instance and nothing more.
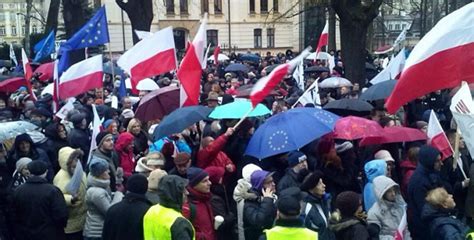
(351, 128)
(12, 84)
(394, 134)
(158, 104)
(45, 71)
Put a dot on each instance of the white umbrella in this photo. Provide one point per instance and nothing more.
(48, 89)
(147, 84)
(321, 55)
(220, 57)
(335, 82)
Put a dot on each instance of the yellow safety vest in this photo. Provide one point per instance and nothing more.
(470, 236)
(157, 222)
(286, 233)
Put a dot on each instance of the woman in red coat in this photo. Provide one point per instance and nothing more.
(211, 153)
(124, 148)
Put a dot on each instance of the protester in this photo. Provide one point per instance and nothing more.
(111, 126)
(79, 136)
(140, 140)
(72, 182)
(297, 170)
(124, 149)
(372, 169)
(153, 182)
(21, 174)
(351, 223)
(164, 220)
(57, 139)
(182, 162)
(385, 155)
(124, 220)
(105, 150)
(211, 153)
(39, 209)
(408, 167)
(150, 162)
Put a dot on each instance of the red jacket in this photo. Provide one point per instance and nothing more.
(213, 156)
(199, 211)
(408, 168)
(127, 162)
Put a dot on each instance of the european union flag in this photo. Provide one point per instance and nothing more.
(122, 91)
(95, 32)
(46, 48)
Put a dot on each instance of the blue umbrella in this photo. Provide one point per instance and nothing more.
(290, 131)
(379, 91)
(179, 120)
(250, 57)
(237, 109)
(236, 67)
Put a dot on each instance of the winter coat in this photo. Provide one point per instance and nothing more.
(77, 211)
(140, 144)
(350, 229)
(35, 154)
(199, 211)
(212, 155)
(442, 224)
(124, 220)
(259, 214)
(290, 179)
(408, 168)
(337, 180)
(99, 200)
(372, 169)
(53, 144)
(241, 193)
(40, 211)
(127, 162)
(221, 207)
(80, 138)
(180, 144)
(385, 214)
(314, 208)
(113, 160)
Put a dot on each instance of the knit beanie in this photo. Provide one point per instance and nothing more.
(196, 175)
(348, 202)
(37, 167)
(137, 183)
(215, 174)
(98, 166)
(295, 157)
(107, 123)
(154, 178)
(100, 137)
(22, 163)
(311, 181)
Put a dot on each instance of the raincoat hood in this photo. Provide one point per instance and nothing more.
(382, 184)
(427, 156)
(375, 168)
(170, 191)
(123, 141)
(66, 155)
(22, 138)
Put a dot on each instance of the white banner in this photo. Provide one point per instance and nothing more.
(462, 108)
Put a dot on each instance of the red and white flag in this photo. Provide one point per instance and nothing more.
(55, 87)
(437, 138)
(81, 77)
(323, 39)
(462, 108)
(266, 84)
(442, 59)
(393, 69)
(402, 228)
(28, 73)
(217, 50)
(190, 69)
(151, 56)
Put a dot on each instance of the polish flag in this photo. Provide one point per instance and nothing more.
(28, 73)
(437, 138)
(402, 227)
(190, 69)
(323, 39)
(151, 56)
(217, 50)
(442, 59)
(81, 77)
(266, 84)
(393, 70)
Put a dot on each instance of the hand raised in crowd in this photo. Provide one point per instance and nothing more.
(229, 132)
(267, 192)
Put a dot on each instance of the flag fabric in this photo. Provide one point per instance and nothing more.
(323, 39)
(401, 37)
(142, 34)
(190, 69)
(47, 47)
(437, 138)
(74, 184)
(81, 77)
(393, 69)
(462, 107)
(122, 90)
(96, 123)
(204, 62)
(62, 113)
(12, 55)
(151, 56)
(266, 84)
(430, 66)
(28, 73)
(55, 87)
(311, 95)
(402, 228)
(217, 50)
(298, 75)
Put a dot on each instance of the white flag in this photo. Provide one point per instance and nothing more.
(394, 68)
(400, 38)
(311, 95)
(12, 55)
(298, 75)
(462, 108)
(95, 131)
(143, 34)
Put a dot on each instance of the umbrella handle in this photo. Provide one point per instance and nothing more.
(243, 117)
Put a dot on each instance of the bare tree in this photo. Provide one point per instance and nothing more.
(140, 13)
(52, 20)
(74, 15)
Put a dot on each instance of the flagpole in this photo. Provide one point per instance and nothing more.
(113, 69)
(243, 118)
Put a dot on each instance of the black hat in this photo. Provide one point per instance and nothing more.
(137, 183)
(196, 175)
(348, 202)
(311, 181)
(100, 137)
(37, 167)
(289, 201)
(41, 112)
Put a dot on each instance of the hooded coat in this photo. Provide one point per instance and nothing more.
(78, 137)
(77, 211)
(126, 160)
(385, 214)
(113, 159)
(199, 211)
(241, 193)
(442, 224)
(372, 169)
(53, 144)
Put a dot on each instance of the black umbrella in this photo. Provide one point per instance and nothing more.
(179, 120)
(237, 67)
(349, 107)
(379, 91)
(316, 69)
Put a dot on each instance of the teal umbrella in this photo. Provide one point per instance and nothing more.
(237, 109)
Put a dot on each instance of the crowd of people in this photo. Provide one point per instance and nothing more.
(199, 184)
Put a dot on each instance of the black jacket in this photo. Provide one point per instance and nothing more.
(259, 214)
(140, 144)
(54, 144)
(290, 179)
(80, 138)
(442, 224)
(351, 229)
(39, 210)
(313, 220)
(124, 220)
(221, 207)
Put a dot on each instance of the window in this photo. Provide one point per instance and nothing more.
(212, 37)
(217, 6)
(23, 30)
(263, 6)
(170, 7)
(252, 6)
(2, 31)
(397, 26)
(270, 37)
(12, 6)
(2, 16)
(204, 6)
(404, 26)
(257, 38)
(34, 29)
(183, 6)
(275, 6)
(13, 30)
(390, 27)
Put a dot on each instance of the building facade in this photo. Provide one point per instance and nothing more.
(12, 19)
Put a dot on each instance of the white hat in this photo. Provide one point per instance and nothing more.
(385, 155)
(248, 170)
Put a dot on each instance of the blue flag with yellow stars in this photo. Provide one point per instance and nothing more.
(45, 47)
(93, 33)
